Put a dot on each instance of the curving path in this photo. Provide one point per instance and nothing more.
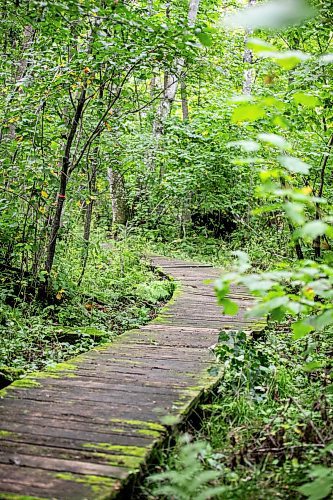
(85, 429)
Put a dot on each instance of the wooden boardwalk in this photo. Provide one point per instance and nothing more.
(85, 429)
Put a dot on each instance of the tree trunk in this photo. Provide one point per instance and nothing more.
(118, 198)
(185, 110)
(249, 73)
(249, 77)
(296, 242)
(89, 212)
(326, 156)
(171, 87)
(28, 36)
(66, 163)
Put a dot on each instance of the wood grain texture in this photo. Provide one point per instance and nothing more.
(84, 430)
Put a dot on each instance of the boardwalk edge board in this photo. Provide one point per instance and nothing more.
(89, 428)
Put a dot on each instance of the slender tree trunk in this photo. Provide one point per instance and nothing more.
(170, 88)
(28, 36)
(185, 109)
(249, 73)
(297, 243)
(248, 82)
(118, 198)
(89, 212)
(66, 163)
(326, 156)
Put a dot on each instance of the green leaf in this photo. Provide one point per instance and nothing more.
(313, 366)
(248, 146)
(307, 100)
(222, 288)
(323, 320)
(295, 212)
(275, 140)
(313, 229)
(266, 307)
(169, 420)
(205, 39)
(287, 60)
(212, 492)
(273, 14)
(278, 314)
(230, 307)
(294, 165)
(326, 59)
(281, 122)
(245, 161)
(258, 46)
(248, 113)
(301, 329)
(318, 489)
(272, 102)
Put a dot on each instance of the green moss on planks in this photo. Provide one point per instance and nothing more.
(14, 496)
(136, 451)
(139, 423)
(128, 461)
(6, 434)
(99, 485)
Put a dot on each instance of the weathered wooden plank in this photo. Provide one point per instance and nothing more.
(63, 465)
(85, 434)
(117, 450)
(99, 418)
(41, 483)
(93, 454)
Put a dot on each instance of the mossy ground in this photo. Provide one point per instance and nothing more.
(126, 295)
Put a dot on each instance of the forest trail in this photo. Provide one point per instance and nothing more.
(84, 429)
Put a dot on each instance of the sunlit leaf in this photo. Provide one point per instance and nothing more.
(229, 307)
(273, 14)
(295, 212)
(313, 366)
(301, 329)
(245, 161)
(313, 229)
(282, 122)
(287, 60)
(326, 59)
(265, 308)
(257, 45)
(205, 39)
(169, 420)
(294, 165)
(248, 113)
(272, 102)
(275, 140)
(248, 146)
(307, 100)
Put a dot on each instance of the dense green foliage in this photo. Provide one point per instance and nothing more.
(268, 429)
(187, 128)
(119, 292)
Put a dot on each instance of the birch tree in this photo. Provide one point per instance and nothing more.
(249, 73)
(171, 82)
